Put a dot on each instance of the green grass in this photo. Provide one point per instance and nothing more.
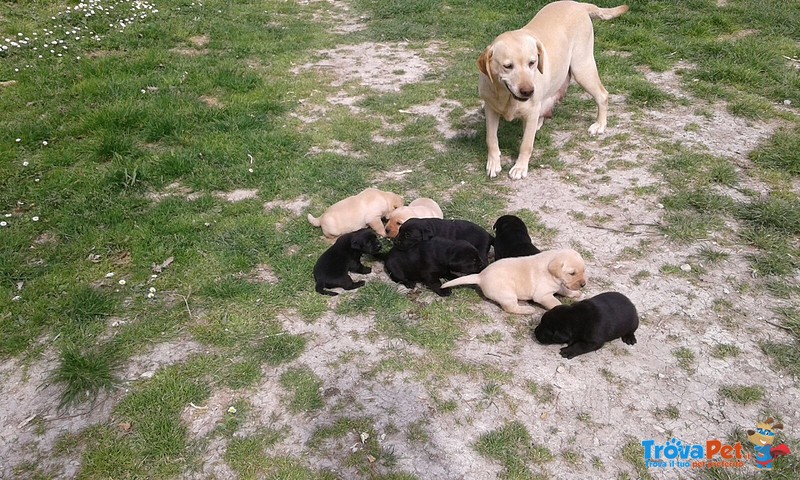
(145, 112)
(304, 387)
(512, 446)
(742, 394)
(82, 374)
(686, 359)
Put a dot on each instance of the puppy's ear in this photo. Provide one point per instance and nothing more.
(427, 232)
(483, 62)
(555, 267)
(540, 49)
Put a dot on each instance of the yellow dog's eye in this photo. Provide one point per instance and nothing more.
(532, 63)
(508, 66)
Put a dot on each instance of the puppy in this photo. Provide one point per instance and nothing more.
(331, 270)
(419, 208)
(525, 72)
(511, 238)
(586, 325)
(415, 230)
(536, 278)
(353, 213)
(431, 260)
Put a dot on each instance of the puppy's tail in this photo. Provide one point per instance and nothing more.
(312, 220)
(604, 13)
(473, 279)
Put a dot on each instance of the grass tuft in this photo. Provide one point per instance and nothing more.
(82, 374)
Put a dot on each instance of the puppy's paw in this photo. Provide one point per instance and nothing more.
(493, 167)
(630, 339)
(597, 129)
(567, 353)
(518, 171)
(442, 292)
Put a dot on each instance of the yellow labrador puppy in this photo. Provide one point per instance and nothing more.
(419, 208)
(354, 213)
(525, 72)
(537, 278)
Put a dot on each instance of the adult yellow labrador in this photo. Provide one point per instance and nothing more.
(525, 72)
(536, 277)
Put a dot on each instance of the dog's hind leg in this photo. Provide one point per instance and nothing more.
(630, 339)
(584, 71)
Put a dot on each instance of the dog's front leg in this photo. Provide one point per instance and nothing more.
(493, 159)
(529, 126)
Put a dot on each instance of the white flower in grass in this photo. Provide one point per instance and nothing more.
(122, 282)
(25, 164)
(18, 140)
(44, 142)
(109, 274)
(152, 290)
(35, 219)
(7, 215)
(17, 298)
(3, 224)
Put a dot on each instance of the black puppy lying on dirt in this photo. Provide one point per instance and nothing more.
(416, 230)
(429, 261)
(586, 325)
(344, 256)
(512, 239)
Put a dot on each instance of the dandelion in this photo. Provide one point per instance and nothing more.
(122, 282)
(232, 409)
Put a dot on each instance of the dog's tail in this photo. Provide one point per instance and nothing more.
(312, 220)
(473, 279)
(604, 13)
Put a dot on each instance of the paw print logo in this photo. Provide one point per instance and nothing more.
(672, 448)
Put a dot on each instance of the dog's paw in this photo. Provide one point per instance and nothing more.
(518, 171)
(597, 129)
(493, 167)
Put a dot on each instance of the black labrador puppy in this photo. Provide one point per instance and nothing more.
(416, 230)
(512, 239)
(331, 270)
(586, 325)
(431, 260)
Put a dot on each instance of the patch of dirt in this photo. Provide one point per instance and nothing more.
(31, 422)
(212, 101)
(238, 195)
(337, 148)
(189, 52)
(260, 274)
(199, 41)
(296, 206)
(174, 189)
(382, 67)
(8, 83)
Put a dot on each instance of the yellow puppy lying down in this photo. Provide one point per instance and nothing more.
(354, 213)
(419, 208)
(536, 277)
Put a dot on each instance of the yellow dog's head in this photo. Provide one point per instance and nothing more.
(512, 61)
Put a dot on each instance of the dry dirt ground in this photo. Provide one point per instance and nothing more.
(598, 403)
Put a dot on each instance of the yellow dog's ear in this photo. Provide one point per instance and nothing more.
(483, 62)
(555, 267)
(540, 50)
